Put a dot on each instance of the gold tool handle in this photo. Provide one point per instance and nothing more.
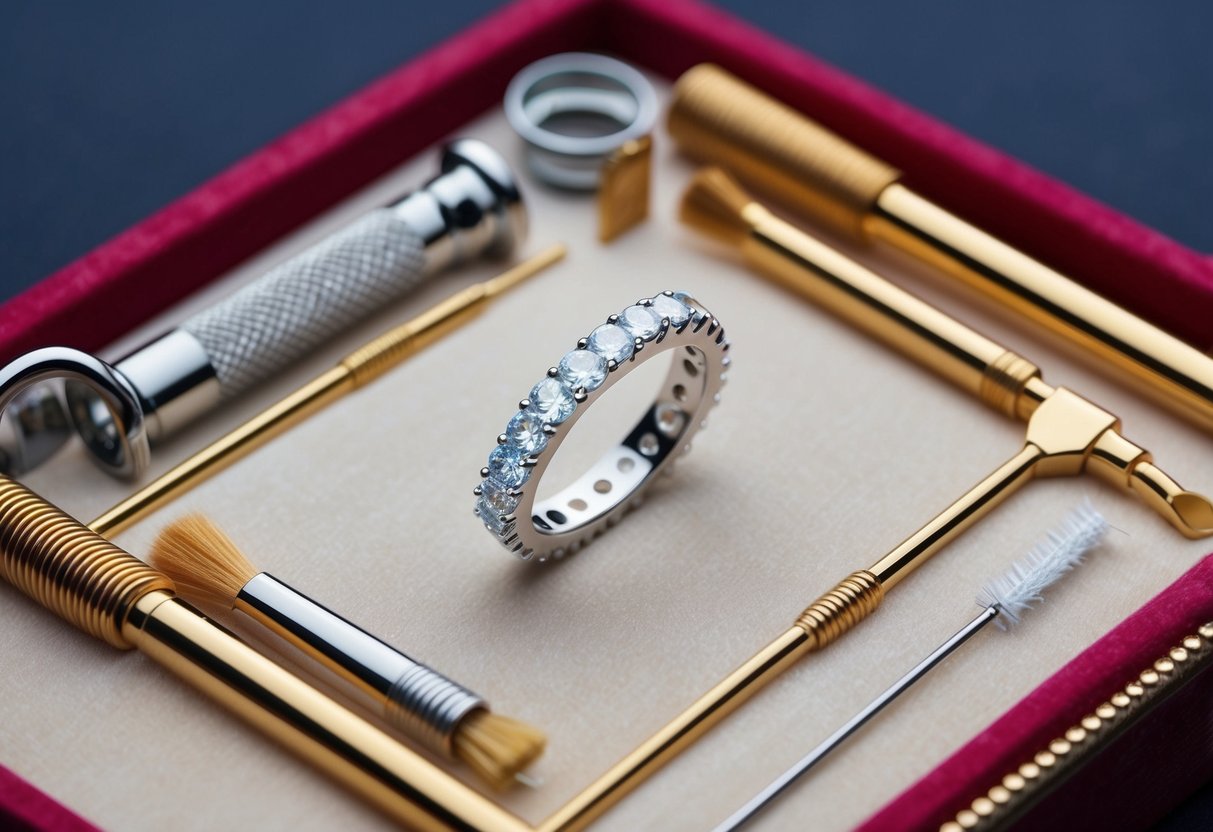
(80, 577)
(717, 205)
(1068, 431)
(719, 119)
(114, 596)
(987, 370)
(716, 117)
(1142, 356)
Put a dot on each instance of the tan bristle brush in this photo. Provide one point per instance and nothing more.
(425, 705)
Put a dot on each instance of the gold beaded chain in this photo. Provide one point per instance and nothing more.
(1022, 787)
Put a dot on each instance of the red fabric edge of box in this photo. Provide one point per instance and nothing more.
(268, 194)
(23, 807)
(1058, 703)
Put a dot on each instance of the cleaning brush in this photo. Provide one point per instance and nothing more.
(1004, 599)
(440, 714)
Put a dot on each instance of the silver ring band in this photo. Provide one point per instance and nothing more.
(561, 524)
(611, 101)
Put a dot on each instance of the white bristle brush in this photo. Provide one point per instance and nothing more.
(1005, 598)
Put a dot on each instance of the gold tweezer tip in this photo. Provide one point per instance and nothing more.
(1187, 511)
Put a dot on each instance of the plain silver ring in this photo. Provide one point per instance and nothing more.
(578, 83)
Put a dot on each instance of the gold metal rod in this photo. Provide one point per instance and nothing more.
(717, 118)
(114, 596)
(359, 368)
(1071, 434)
(713, 706)
(951, 522)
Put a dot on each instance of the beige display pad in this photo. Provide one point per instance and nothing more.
(827, 451)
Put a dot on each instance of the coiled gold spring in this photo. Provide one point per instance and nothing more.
(840, 609)
(69, 569)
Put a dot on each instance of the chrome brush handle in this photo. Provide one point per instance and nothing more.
(309, 299)
(418, 700)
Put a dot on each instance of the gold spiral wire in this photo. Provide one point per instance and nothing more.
(1003, 381)
(840, 609)
(72, 571)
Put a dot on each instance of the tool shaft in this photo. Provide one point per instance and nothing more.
(777, 786)
(964, 357)
(1140, 354)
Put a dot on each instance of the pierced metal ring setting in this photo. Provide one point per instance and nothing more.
(563, 523)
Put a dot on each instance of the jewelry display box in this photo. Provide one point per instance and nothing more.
(870, 461)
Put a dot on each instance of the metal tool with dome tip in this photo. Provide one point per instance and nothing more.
(562, 524)
(471, 208)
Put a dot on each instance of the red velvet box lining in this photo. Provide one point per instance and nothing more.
(239, 212)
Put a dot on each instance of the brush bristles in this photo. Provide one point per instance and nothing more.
(1023, 585)
(202, 561)
(497, 747)
(714, 203)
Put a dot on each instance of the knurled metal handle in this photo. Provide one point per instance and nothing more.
(718, 118)
(309, 299)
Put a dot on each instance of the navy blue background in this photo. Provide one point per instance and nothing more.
(113, 109)
(110, 110)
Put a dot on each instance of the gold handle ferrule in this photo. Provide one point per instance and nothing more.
(715, 117)
(854, 598)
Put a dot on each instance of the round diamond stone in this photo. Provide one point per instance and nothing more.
(525, 432)
(505, 466)
(583, 368)
(551, 401)
(613, 343)
(672, 308)
(495, 502)
(641, 321)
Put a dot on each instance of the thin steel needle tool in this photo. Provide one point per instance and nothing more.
(1005, 598)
